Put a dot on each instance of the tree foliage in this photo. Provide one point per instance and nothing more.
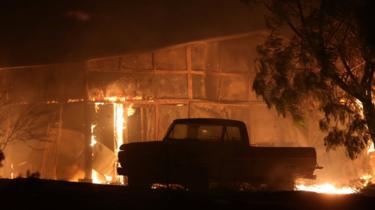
(317, 56)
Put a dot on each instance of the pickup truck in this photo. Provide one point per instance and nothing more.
(201, 153)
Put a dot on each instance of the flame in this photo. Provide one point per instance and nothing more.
(330, 188)
(115, 99)
(108, 178)
(75, 100)
(118, 117)
(95, 177)
(371, 148)
(11, 171)
(130, 110)
(366, 179)
(326, 188)
(93, 137)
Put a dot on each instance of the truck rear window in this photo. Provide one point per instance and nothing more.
(205, 132)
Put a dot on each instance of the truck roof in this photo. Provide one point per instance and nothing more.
(210, 121)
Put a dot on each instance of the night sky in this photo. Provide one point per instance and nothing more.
(40, 32)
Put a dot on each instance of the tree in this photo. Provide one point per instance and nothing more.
(318, 56)
(22, 121)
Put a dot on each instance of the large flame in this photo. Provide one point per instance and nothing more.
(119, 122)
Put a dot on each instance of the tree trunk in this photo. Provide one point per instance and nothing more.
(369, 112)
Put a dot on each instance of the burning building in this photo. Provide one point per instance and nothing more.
(101, 103)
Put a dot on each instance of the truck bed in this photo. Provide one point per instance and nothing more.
(158, 160)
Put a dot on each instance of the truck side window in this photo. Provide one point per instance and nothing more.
(179, 131)
(232, 134)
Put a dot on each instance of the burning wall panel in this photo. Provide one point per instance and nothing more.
(31, 85)
(111, 64)
(171, 86)
(136, 62)
(205, 56)
(58, 82)
(141, 125)
(70, 143)
(72, 80)
(210, 87)
(199, 87)
(221, 88)
(104, 127)
(198, 56)
(238, 55)
(102, 84)
(169, 112)
(211, 110)
(70, 157)
(170, 59)
(235, 88)
(231, 55)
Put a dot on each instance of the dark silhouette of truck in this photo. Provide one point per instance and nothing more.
(202, 153)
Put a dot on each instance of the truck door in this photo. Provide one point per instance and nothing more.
(232, 154)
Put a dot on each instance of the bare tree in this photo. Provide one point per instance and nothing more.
(24, 122)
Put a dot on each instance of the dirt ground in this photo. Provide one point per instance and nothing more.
(46, 194)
